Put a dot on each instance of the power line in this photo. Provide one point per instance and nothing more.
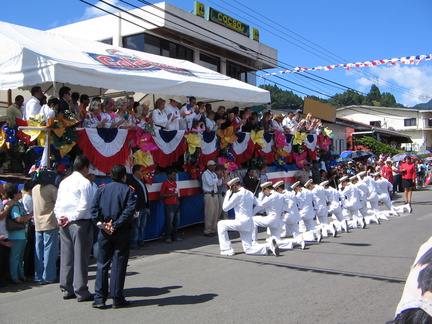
(238, 48)
(226, 38)
(366, 74)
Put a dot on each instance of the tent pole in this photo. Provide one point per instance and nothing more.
(9, 97)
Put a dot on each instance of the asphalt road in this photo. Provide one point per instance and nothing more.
(357, 277)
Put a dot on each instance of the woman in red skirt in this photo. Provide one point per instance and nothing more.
(408, 171)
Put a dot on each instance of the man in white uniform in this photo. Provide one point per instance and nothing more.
(385, 189)
(307, 213)
(272, 204)
(334, 207)
(242, 201)
(373, 198)
(173, 112)
(321, 207)
(32, 106)
(363, 188)
(290, 218)
(351, 202)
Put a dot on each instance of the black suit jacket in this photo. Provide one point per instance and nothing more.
(63, 106)
(142, 202)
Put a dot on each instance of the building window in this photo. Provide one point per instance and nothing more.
(410, 122)
(134, 42)
(108, 41)
(237, 71)
(152, 45)
(209, 61)
(430, 122)
(158, 46)
(375, 123)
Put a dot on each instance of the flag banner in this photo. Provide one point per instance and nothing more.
(105, 146)
(268, 149)
(171, 146)
(243, 148)
(411, 60)
(289, 140)
(209, 150)
(311, 142)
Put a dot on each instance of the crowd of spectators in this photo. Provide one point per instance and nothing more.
(175, 115)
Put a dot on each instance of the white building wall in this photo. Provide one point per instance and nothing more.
(149, 18)
(393, 119)
(339, 136)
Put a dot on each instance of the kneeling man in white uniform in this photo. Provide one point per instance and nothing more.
(242, 201)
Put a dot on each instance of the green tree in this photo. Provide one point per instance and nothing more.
(374, 94)
(375, 146)
(348, 98)
(282, 99)
(388, 100)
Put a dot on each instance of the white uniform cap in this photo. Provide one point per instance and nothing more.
(278, 184)
(353, 178)
(361, 174)
(266, 184)
(233, 181)
(376, 174)
(295, 185)
(344, 178)
(308, 183)
(324, 183)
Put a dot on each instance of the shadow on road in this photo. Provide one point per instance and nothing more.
(356, 244)
(304, 269)
(175, 300)
(149, 291)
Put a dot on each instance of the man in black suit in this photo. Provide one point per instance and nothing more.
(112, 211)
(142, 208)
(65, 100)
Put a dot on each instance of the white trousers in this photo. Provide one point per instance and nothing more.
(224, 226)
(310, 233)
(273, 224)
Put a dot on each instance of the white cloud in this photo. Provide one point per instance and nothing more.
(92, 12)
(409, 84)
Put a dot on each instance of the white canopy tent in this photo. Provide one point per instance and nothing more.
(30, 57)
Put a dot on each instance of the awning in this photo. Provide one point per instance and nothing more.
(389, 135)
(32, 57)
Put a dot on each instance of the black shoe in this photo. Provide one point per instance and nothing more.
(98, 305)
(123, 304)
(89, 298)
(67, 296)
(208, 235)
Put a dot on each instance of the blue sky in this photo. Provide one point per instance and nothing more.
(306, 33)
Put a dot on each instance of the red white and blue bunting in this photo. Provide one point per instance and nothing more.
(106, 147)
(411, 60)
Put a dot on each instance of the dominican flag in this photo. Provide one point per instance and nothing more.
(208, 147)
(289, 140)
(171, 145)
(311, 142)
(267, 151)
(243, 148)
(105, 146)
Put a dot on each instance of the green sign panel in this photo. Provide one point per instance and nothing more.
(228, 22)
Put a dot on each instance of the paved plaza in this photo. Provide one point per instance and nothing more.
(357, 277)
